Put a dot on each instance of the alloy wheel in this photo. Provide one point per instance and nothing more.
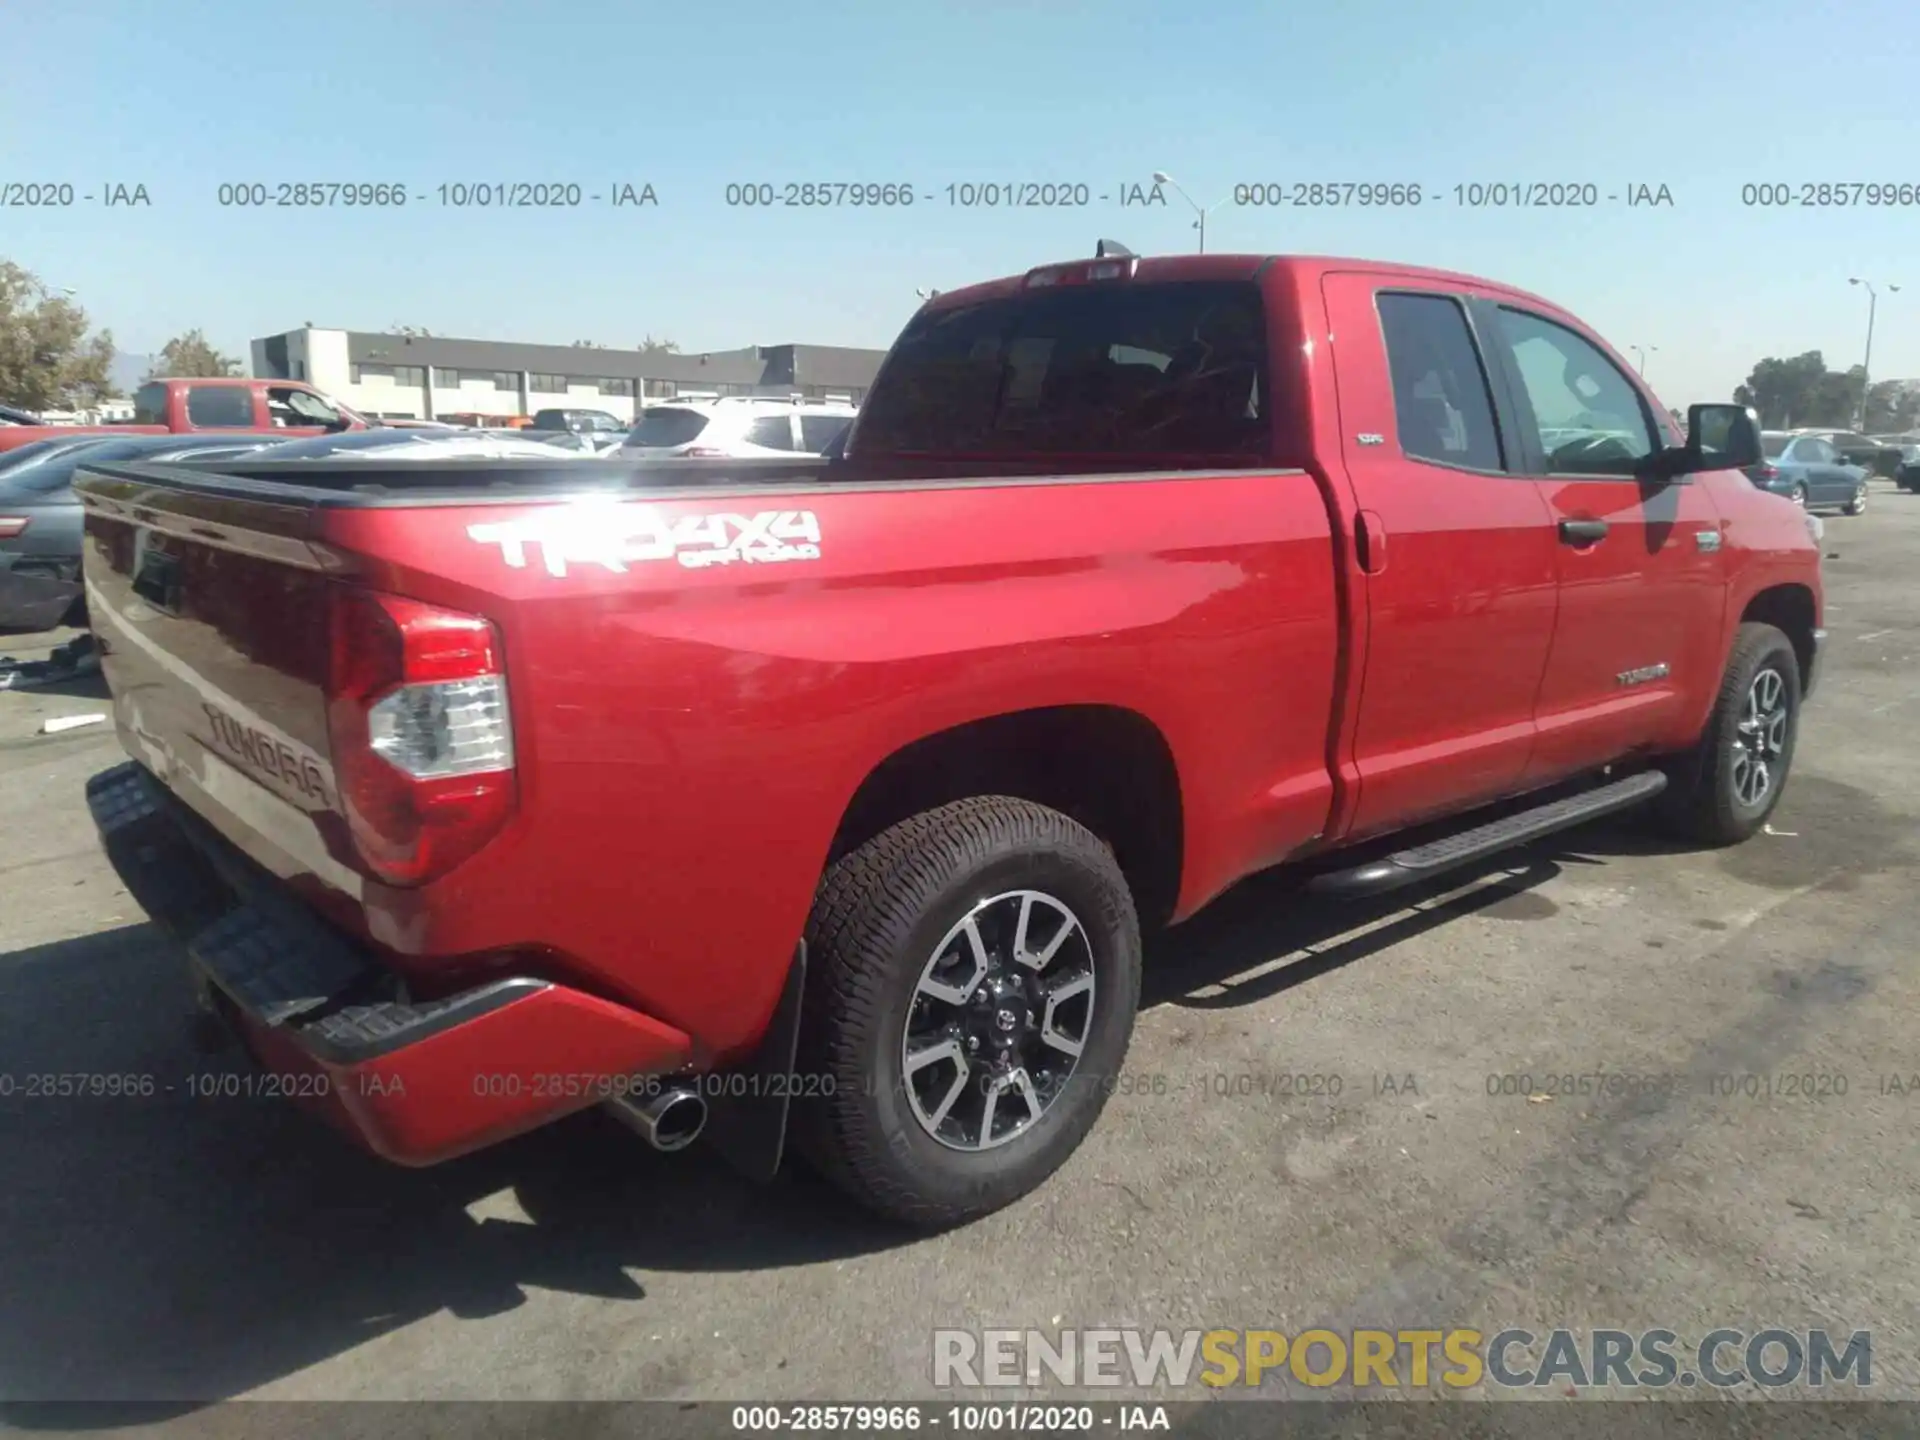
(1000, 1015)
(1760, 739)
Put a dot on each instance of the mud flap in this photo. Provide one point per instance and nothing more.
(747, 1107)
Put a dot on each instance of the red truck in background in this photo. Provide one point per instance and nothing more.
(180, 406)
(828, 799)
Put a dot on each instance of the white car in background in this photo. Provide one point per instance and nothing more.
(738, 427)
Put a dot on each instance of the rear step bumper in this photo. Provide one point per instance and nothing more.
(417, 1082)
(1408, 867)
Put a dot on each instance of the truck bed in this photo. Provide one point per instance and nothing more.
(691, 722)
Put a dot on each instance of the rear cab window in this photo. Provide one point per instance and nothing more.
(1167, 370)
(220, 407)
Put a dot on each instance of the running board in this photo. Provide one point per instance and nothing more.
(1407, 867)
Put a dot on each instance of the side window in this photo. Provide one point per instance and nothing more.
(1441, 403)
(220, 407)
(817, 432)
(1589, 417)
(1825, 453)
(773, 431)
(289, 407)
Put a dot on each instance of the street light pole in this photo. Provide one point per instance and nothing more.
(1642, 350)
(1866, 365)
(1160, 177)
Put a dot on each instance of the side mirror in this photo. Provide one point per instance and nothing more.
(1722, 437)
(1719, 437)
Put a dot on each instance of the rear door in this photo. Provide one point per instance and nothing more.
(1459, 553)
(1641, 571)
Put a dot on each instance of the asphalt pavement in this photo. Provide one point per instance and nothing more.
(188, 1248)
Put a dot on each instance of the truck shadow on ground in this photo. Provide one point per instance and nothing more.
(1270, 934)
(187, 1249)
(173, 1247)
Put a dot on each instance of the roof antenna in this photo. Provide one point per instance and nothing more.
(1103, 248)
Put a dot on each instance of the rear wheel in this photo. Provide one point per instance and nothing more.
(1722, 791)
(973, 974)
(1798, 495)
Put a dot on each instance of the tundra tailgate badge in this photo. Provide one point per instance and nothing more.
(615, 535)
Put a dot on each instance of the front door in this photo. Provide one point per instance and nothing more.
(1637, 648)
(1460, 564)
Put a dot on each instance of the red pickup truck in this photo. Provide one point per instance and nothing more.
(828, 799)
(180, 406)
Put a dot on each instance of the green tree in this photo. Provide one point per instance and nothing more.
(191, 356)
(1802, 391)
(1893, 408)
(651, 346)
(1782, 390)
(47, 359)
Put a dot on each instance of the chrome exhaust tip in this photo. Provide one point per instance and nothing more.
(668, 1121)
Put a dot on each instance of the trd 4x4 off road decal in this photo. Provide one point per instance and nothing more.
(616, 536)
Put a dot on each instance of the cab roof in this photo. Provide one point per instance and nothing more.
(1301, 270)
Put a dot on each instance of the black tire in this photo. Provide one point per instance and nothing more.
(1858, 504)
(877, 919)
(1799, 496)
(1702, 803)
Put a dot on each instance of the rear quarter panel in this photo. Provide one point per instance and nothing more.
(689, 739)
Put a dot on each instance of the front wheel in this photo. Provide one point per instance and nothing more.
(1723, 791)
(1858, 504)
(973, 974)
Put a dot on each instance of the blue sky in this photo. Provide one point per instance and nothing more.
(1702, 97)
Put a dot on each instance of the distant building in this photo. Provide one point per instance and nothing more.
(427, 377)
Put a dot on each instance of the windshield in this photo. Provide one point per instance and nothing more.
(1772, 446)
(1157, 369)
(664, 426)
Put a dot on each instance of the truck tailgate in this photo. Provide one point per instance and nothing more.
(211, 619)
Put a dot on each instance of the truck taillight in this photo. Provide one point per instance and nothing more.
(12, 525)
(421, 734)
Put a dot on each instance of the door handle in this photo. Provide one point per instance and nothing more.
(1370, 542)
(1582, 532)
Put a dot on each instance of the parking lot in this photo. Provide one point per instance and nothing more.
(1758, 1170)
